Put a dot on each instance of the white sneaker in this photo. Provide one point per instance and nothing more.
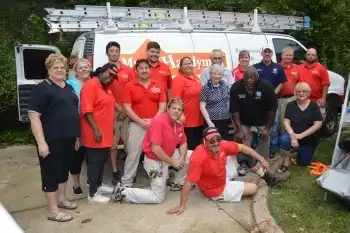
(98, 198)
(104, 189)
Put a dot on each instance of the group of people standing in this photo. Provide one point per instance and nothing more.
(181, 122)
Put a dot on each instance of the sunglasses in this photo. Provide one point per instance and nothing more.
(215, 140)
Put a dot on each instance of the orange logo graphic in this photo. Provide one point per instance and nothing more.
(200, 60)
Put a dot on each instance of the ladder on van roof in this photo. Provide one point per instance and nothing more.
(113, 18)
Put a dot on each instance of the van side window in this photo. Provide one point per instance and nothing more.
(78, 46)
(280, 44)
(34, 63)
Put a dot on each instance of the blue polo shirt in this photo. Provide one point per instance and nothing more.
(272, 73)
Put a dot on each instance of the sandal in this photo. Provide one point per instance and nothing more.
(68, 205)
(60, 217)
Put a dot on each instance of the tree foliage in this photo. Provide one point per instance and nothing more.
(21, 22)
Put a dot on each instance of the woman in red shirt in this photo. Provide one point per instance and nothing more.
(97, 110)
(244, 59)
(187, 86)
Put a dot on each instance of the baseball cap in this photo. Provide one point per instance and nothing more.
(210, 133)
(267, 46)
(112, 69)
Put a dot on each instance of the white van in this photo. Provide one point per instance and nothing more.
(175, 45)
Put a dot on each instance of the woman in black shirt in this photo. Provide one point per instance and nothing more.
(302, 120)
(54, 117)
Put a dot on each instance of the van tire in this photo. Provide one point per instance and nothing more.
(330, 124)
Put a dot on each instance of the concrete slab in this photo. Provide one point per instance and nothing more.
(20, 192)
(201, 215)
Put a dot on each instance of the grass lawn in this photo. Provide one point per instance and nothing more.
(19, 135)
(298, 205)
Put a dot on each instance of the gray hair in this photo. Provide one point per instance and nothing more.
(216, 69)
(217, 50)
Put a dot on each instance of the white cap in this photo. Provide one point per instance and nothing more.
(267, 46)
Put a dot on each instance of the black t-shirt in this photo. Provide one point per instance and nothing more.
(302, 120)
(253, 109)
(58, 108)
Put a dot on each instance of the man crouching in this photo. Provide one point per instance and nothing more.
(212, 168)
(159, 145)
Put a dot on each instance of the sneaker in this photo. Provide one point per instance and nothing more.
(104, 189)
(117, 193)
(178, 187)
(175, 187)
(275, 180)
(116, 177)
(98, 198)
(77, 191)
(242, 171)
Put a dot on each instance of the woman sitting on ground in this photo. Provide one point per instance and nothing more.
(302, 121)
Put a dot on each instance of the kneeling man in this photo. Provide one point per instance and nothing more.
(212, 168)
(159, 145)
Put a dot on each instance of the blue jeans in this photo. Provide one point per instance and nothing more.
(274, 135)
(305, 153)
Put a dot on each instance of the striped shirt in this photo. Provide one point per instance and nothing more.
(217, 100)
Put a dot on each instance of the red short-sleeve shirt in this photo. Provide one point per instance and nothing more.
(124, 76)
(316, 76)
(98, 100)
(189, 89)
(238, 73)
(293, 77)
(166, 133)
(144, 101)
(160, 73)
(209, 172)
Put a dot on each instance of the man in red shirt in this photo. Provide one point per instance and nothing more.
(159, 145)
(286, 94)
(316, 75)
(212, 168)
(125, 75)
(159, 71)
(143, 99)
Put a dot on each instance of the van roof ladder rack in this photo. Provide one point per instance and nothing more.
(114, 18)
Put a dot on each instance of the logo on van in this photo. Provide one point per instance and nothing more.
(200, 60)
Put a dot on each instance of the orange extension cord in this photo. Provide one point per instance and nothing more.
(317, 168)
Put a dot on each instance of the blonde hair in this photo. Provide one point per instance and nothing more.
(53, 58)
(79, 61)
(287, 49)
(176, 101)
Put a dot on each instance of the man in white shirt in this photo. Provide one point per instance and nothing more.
(217, 57)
